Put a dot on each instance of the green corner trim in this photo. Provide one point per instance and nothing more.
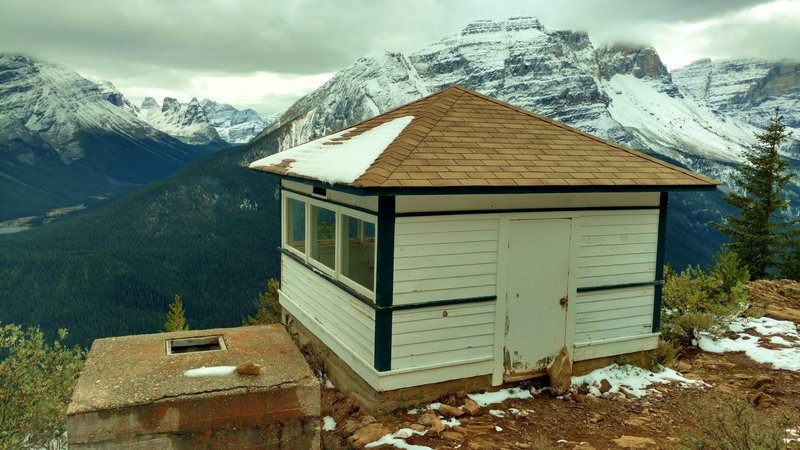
(384, 283)
(663, 205)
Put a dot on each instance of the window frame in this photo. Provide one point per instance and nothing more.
(339, 211)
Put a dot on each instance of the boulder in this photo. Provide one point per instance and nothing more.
(450, 411)
(634, 442)
(560, 372)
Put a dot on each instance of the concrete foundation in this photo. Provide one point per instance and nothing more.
(347, 380)
(133, 395)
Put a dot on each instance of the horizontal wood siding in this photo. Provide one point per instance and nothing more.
(444, 258)
(441, 335)
(617, 248)
(613, 313)
(345, 317)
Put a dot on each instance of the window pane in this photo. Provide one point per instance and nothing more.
(358, 251)
(323, 236)
(296, 224)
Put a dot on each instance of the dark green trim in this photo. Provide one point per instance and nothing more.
(333, 202)
(449, 302)
(468, 190)
(384, 283)
(609, 287)
(522, 210)
(660, 250)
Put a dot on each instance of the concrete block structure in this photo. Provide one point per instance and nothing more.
(180, 390)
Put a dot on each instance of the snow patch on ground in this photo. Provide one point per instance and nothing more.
(328, 423)
(216, 371)
(397, 439)
(631, 380)
(781, 333)
(332, 161)
(488, 398)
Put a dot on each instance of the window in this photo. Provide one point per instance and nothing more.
(296, 224)
(323, 236)
(358, 251)
(337, 240)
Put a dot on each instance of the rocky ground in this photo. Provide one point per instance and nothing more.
(580, 420)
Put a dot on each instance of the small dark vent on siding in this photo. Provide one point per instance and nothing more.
(319, 192)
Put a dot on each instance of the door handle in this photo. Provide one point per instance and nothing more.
(564, 301)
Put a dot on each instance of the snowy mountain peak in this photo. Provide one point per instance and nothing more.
(233, 125)
(149, 103)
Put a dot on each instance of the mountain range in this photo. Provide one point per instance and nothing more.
(67, 140)
(210, 231)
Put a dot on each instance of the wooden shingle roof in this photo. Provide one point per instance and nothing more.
(459, 138)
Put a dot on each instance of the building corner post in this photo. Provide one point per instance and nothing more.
(660, 251)
(384, 283)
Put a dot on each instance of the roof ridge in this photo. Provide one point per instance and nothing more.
(595, 138)
(463, 91)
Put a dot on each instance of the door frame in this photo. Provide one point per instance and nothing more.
(502, 283)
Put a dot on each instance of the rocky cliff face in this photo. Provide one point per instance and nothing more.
(748, 90)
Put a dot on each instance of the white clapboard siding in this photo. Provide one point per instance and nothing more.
(345, 317)
(444, 258)
(444, 334)
(613, 313)
(617, 248)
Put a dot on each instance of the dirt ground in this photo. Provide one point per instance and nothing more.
(578, 421)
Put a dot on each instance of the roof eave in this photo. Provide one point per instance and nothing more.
(472, 190)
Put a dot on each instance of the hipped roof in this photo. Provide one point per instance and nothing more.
(462, 140)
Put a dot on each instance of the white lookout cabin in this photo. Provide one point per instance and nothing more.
(459, 241)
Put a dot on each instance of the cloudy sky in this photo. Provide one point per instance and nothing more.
(265, 54)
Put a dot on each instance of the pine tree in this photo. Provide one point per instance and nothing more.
(268, 309)
(758, 235)
(175, 320)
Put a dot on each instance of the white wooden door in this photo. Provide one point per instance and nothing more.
(538, 283)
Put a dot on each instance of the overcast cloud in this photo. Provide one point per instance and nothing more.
(266, 54)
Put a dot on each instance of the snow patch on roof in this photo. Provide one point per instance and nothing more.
(786, 358)
(332, 161)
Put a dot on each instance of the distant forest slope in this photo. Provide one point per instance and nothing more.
(209, 233)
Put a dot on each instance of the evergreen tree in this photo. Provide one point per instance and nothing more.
(175, 319)
(268, 309)
(758, 235)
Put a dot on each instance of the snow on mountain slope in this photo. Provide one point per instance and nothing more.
(674, 126)
(65, 140)
(185, 121)
(233, 125)
(748, 89)
(55, 104)
(371, 85)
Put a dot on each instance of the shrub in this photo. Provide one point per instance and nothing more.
(695, 300)
(36, 383)
(734, 425)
